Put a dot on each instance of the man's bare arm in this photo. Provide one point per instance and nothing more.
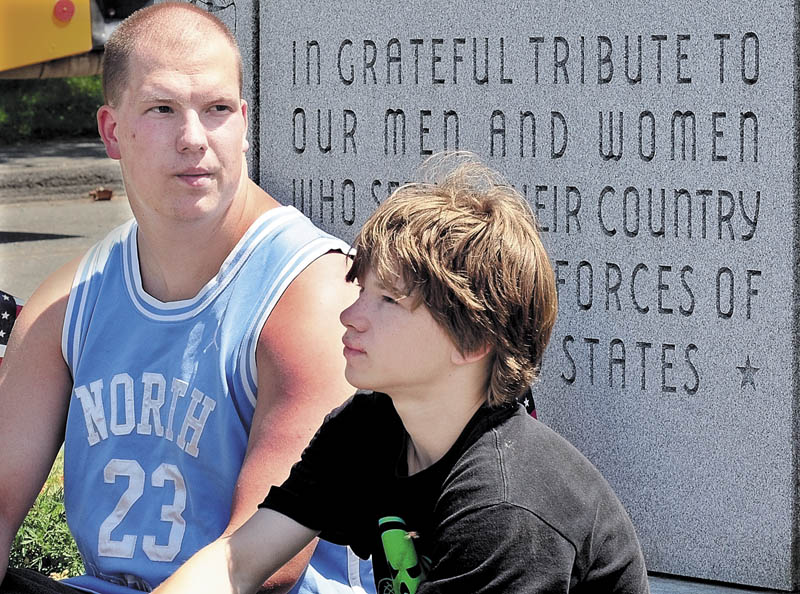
(35, 386)
(300, 380)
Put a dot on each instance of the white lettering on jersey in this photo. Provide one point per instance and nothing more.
(93, 413)
(179, 388)
(123, 398)
(169, 513)
(195, 423)
(126, 381)
(151, 407)
(125, 547)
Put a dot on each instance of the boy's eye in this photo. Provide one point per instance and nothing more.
(389, 299)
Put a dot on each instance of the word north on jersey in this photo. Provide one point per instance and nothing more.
(156, 415)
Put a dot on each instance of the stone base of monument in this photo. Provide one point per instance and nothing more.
(664, 584)
(657, 143)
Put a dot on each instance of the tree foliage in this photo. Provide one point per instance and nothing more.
(39, 109)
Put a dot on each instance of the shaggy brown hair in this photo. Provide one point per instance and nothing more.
(467, 246)
(171, 26)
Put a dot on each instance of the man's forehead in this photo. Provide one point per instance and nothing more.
(153, 71)
(186, 52)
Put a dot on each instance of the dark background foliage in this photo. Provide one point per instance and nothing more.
(43, 109)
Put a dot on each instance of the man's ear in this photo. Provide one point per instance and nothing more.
(245, 115)
(459, 358)
(107, 126)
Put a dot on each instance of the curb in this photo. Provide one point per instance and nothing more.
(56, 171)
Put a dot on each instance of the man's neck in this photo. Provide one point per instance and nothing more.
(177, 259)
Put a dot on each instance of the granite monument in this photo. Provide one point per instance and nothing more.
(657, 145)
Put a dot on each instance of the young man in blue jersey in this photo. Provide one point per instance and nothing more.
(457, 490)
(187, 359)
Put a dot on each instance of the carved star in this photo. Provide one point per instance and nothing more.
(748, 373)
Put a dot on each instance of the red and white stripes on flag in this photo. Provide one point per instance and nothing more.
(9, 310)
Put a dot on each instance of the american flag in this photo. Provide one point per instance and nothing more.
(527, 401)
(9, 310)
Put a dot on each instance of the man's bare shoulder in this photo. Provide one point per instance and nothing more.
(319, 290)
(325, 276)
(48, 303)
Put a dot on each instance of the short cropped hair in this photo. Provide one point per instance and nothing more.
(465, 243)
(170, 24)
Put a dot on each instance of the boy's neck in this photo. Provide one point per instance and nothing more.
(434, 424)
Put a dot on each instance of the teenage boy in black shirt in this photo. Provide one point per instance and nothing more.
(438, 472)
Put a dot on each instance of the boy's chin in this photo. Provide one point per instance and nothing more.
(358, 384)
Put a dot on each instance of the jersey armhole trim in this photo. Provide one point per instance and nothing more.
(304, 257)
(76, 305)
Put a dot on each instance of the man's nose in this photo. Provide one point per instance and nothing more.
(192, 135)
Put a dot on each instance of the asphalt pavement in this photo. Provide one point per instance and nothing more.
(47, 216)
(55, 170)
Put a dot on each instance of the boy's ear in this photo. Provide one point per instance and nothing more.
(107, 126)
(459, 358)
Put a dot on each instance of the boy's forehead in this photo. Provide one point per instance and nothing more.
(392, 280)
(371, 275)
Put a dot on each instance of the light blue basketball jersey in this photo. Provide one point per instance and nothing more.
(163, 399)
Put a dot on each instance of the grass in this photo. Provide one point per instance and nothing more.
(44, 542)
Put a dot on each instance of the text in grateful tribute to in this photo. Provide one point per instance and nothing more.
(637, 166)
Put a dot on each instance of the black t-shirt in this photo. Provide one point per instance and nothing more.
(475, 521)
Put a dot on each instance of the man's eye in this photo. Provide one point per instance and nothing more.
(162, 109)
(389, 299)
(222, 108)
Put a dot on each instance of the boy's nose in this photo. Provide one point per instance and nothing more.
(351, 317)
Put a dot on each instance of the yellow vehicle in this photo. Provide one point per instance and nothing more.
(55, 38)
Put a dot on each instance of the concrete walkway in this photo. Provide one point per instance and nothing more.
(46, 215)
